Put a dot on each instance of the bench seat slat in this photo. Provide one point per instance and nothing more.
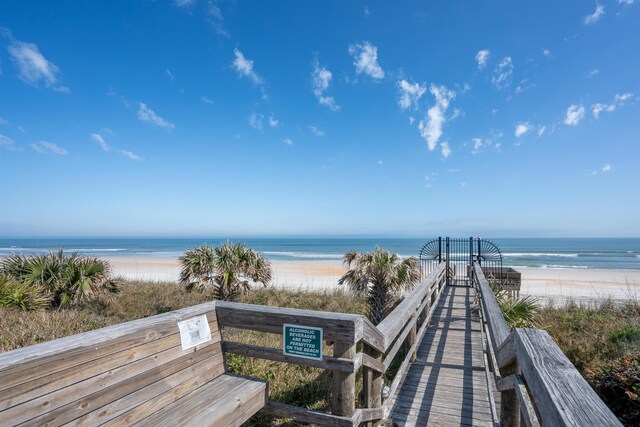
(229, 400)
(98, 390)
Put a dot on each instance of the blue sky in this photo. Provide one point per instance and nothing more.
(201, 118)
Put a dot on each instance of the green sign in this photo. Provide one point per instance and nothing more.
(302, 341)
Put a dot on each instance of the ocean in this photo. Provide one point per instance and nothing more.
(578, 253)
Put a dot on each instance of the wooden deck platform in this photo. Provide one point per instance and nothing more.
(447, 384)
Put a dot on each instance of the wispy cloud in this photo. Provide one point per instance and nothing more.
(482, 57)
(502, 74)
(607, 167)
(591, 74)
(7, 143)
(522, 129)
(546, 52)
(215, 18)
(410, 94)
(445, 149)
(130, 155)
(575, 114)
(595, 16)
(288, 141)
(479, 144)
(273, 122)
(170, 74)
(98, 139)
(321, 80)
(46, 147)
(206, 100)
(146, 114)
(431, 128)
(244, 67)
(618, 101)
(317, 132)
(256, 121)
(524, 85)
(184, 3)
(365, 59)
(33, 67)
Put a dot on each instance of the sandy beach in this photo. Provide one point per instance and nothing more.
(546, 283)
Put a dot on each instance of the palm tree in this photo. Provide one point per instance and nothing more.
(378, 275)
(228, 269)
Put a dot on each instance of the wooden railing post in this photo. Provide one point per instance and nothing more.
(411, 340)
(343, 399)
(509, 404)
(372, 384)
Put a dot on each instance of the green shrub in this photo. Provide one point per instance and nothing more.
(63, 279)
(19, 295)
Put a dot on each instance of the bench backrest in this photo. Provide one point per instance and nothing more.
(116, 374)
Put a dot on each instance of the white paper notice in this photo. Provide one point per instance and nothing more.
(194, 331)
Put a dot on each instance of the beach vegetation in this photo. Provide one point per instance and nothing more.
(228, 270)
(519, 312)
(379, 276)
(58, 278)
(19, 295)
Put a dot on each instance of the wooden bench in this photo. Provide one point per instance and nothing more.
(135, 372)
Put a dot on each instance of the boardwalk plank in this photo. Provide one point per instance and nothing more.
(447, 384)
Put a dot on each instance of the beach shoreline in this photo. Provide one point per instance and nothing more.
(556, 284)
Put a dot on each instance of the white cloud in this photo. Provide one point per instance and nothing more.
(33, 67)
(98, 139)
(626, 1)
(591, 74)
(607, 167)
(288, 141)
(596, 109)
(380, 162)
(216, 19)
(575, 113)
(321, 80)
(546, 52)
(366, 11)
(411, 120)
(365, 59)
(482, 57)
(502, 74)
(446, 150)
(410, 94)
(170, 74)
(479, 144)
(542, 130)
(6, 142)
(130, 155)
(522, 129)
(184, 3)
(244, 67)
(146, 114)
(46, 147)
(595, 17)
(206, 100)
(256, 121)
(317, 132)
(273, 122)
(431, 129)
(618, 101)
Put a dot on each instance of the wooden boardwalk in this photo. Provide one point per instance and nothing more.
(447, 384)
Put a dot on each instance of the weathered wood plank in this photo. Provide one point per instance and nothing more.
(561, 395)
(498, 328)
(336, 326)
(152, 398)
(327, 362)
(343, 398)
(526, 406)
(306, 415)
(78, 400)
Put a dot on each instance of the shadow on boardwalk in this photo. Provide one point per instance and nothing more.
(447, 385)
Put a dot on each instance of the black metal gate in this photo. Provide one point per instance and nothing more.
(459, 255)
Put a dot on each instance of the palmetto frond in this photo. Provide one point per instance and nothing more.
(229, 269)
(378, 275)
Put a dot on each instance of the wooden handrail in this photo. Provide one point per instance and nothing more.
(538, 383)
